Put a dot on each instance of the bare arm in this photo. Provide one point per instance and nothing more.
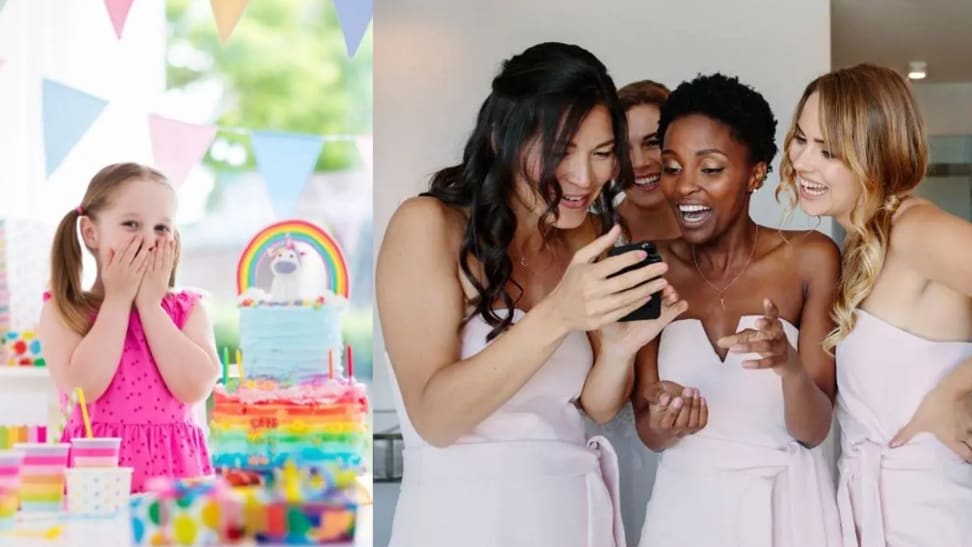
(616, 345)
(947, 261)
(609, 383)
(807, 373)
(664, 411)
(808, 395)
(186, 358)
(88, 362)
(420, 303)
(421, 306)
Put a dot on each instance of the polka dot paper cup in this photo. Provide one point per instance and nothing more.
(98, 491)
(42, 476)
(95, 452)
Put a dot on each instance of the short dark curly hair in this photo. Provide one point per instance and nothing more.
(735, 104)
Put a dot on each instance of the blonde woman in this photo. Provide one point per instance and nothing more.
(903, 311)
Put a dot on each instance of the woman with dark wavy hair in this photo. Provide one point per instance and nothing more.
(501, 322)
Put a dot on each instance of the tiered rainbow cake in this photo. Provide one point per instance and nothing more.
(296, 402)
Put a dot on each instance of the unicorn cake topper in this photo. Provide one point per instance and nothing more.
(285, 265)
(292, 260)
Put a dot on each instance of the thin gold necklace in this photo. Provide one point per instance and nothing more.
(722, 298)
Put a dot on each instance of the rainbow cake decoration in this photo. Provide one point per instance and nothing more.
(298, 404)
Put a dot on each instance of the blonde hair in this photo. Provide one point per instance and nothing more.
(870, 122)
(75, 305)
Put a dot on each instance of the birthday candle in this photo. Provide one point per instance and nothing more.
(42, 433)
(225, 364)
(330, 364)
(239, 362)
(350, 366)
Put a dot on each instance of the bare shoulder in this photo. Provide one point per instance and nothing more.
(426, 212)
(426, 220)
(917, 220)
(814, 253)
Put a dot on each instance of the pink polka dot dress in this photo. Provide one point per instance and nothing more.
(159, 436)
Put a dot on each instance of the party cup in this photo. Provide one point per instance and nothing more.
(10, 462)
(9, 500)
(42, 476)
(95, 452)
(98, 491)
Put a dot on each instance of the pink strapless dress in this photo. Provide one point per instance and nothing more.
(742, 481)
(524, 477)
(919, 494)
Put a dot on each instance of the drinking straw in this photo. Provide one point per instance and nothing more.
(84, 413)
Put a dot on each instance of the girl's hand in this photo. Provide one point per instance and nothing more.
(945, 414)
(625, 339)
(768, 341)
(155, 285)
(586, 300)
(675, 410)
(124, 271)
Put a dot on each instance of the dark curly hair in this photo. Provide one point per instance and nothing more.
(735, 104)
(544, 92)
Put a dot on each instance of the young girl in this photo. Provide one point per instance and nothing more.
(855, 152)
(141, 353)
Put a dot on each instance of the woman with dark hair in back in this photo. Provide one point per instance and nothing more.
(501, 321)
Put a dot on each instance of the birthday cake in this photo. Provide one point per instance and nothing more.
(295, 400)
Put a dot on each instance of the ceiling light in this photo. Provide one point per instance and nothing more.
(916, 70)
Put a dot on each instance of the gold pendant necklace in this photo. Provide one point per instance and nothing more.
(721, 292)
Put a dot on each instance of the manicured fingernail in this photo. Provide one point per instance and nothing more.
(748, 364)
(663, 400)
(703, 401)
(737, 348)
(677, 403)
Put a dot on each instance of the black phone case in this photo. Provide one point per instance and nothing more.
(652, 308)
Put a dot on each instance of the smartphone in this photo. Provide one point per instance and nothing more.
(652, 308)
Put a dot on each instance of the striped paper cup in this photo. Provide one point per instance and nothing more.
(10, 462)
(42, 476)
(95, 452)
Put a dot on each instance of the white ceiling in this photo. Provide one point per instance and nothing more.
(895, 32)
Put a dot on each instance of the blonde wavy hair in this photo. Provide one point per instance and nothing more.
(870, 122)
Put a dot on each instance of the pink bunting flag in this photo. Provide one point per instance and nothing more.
(118, 13)
(178, 146)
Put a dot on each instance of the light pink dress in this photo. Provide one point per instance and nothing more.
(159, 436)
(524, 477)
(742, 481)
(919, 494)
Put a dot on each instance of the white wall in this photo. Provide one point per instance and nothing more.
(434, 60)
